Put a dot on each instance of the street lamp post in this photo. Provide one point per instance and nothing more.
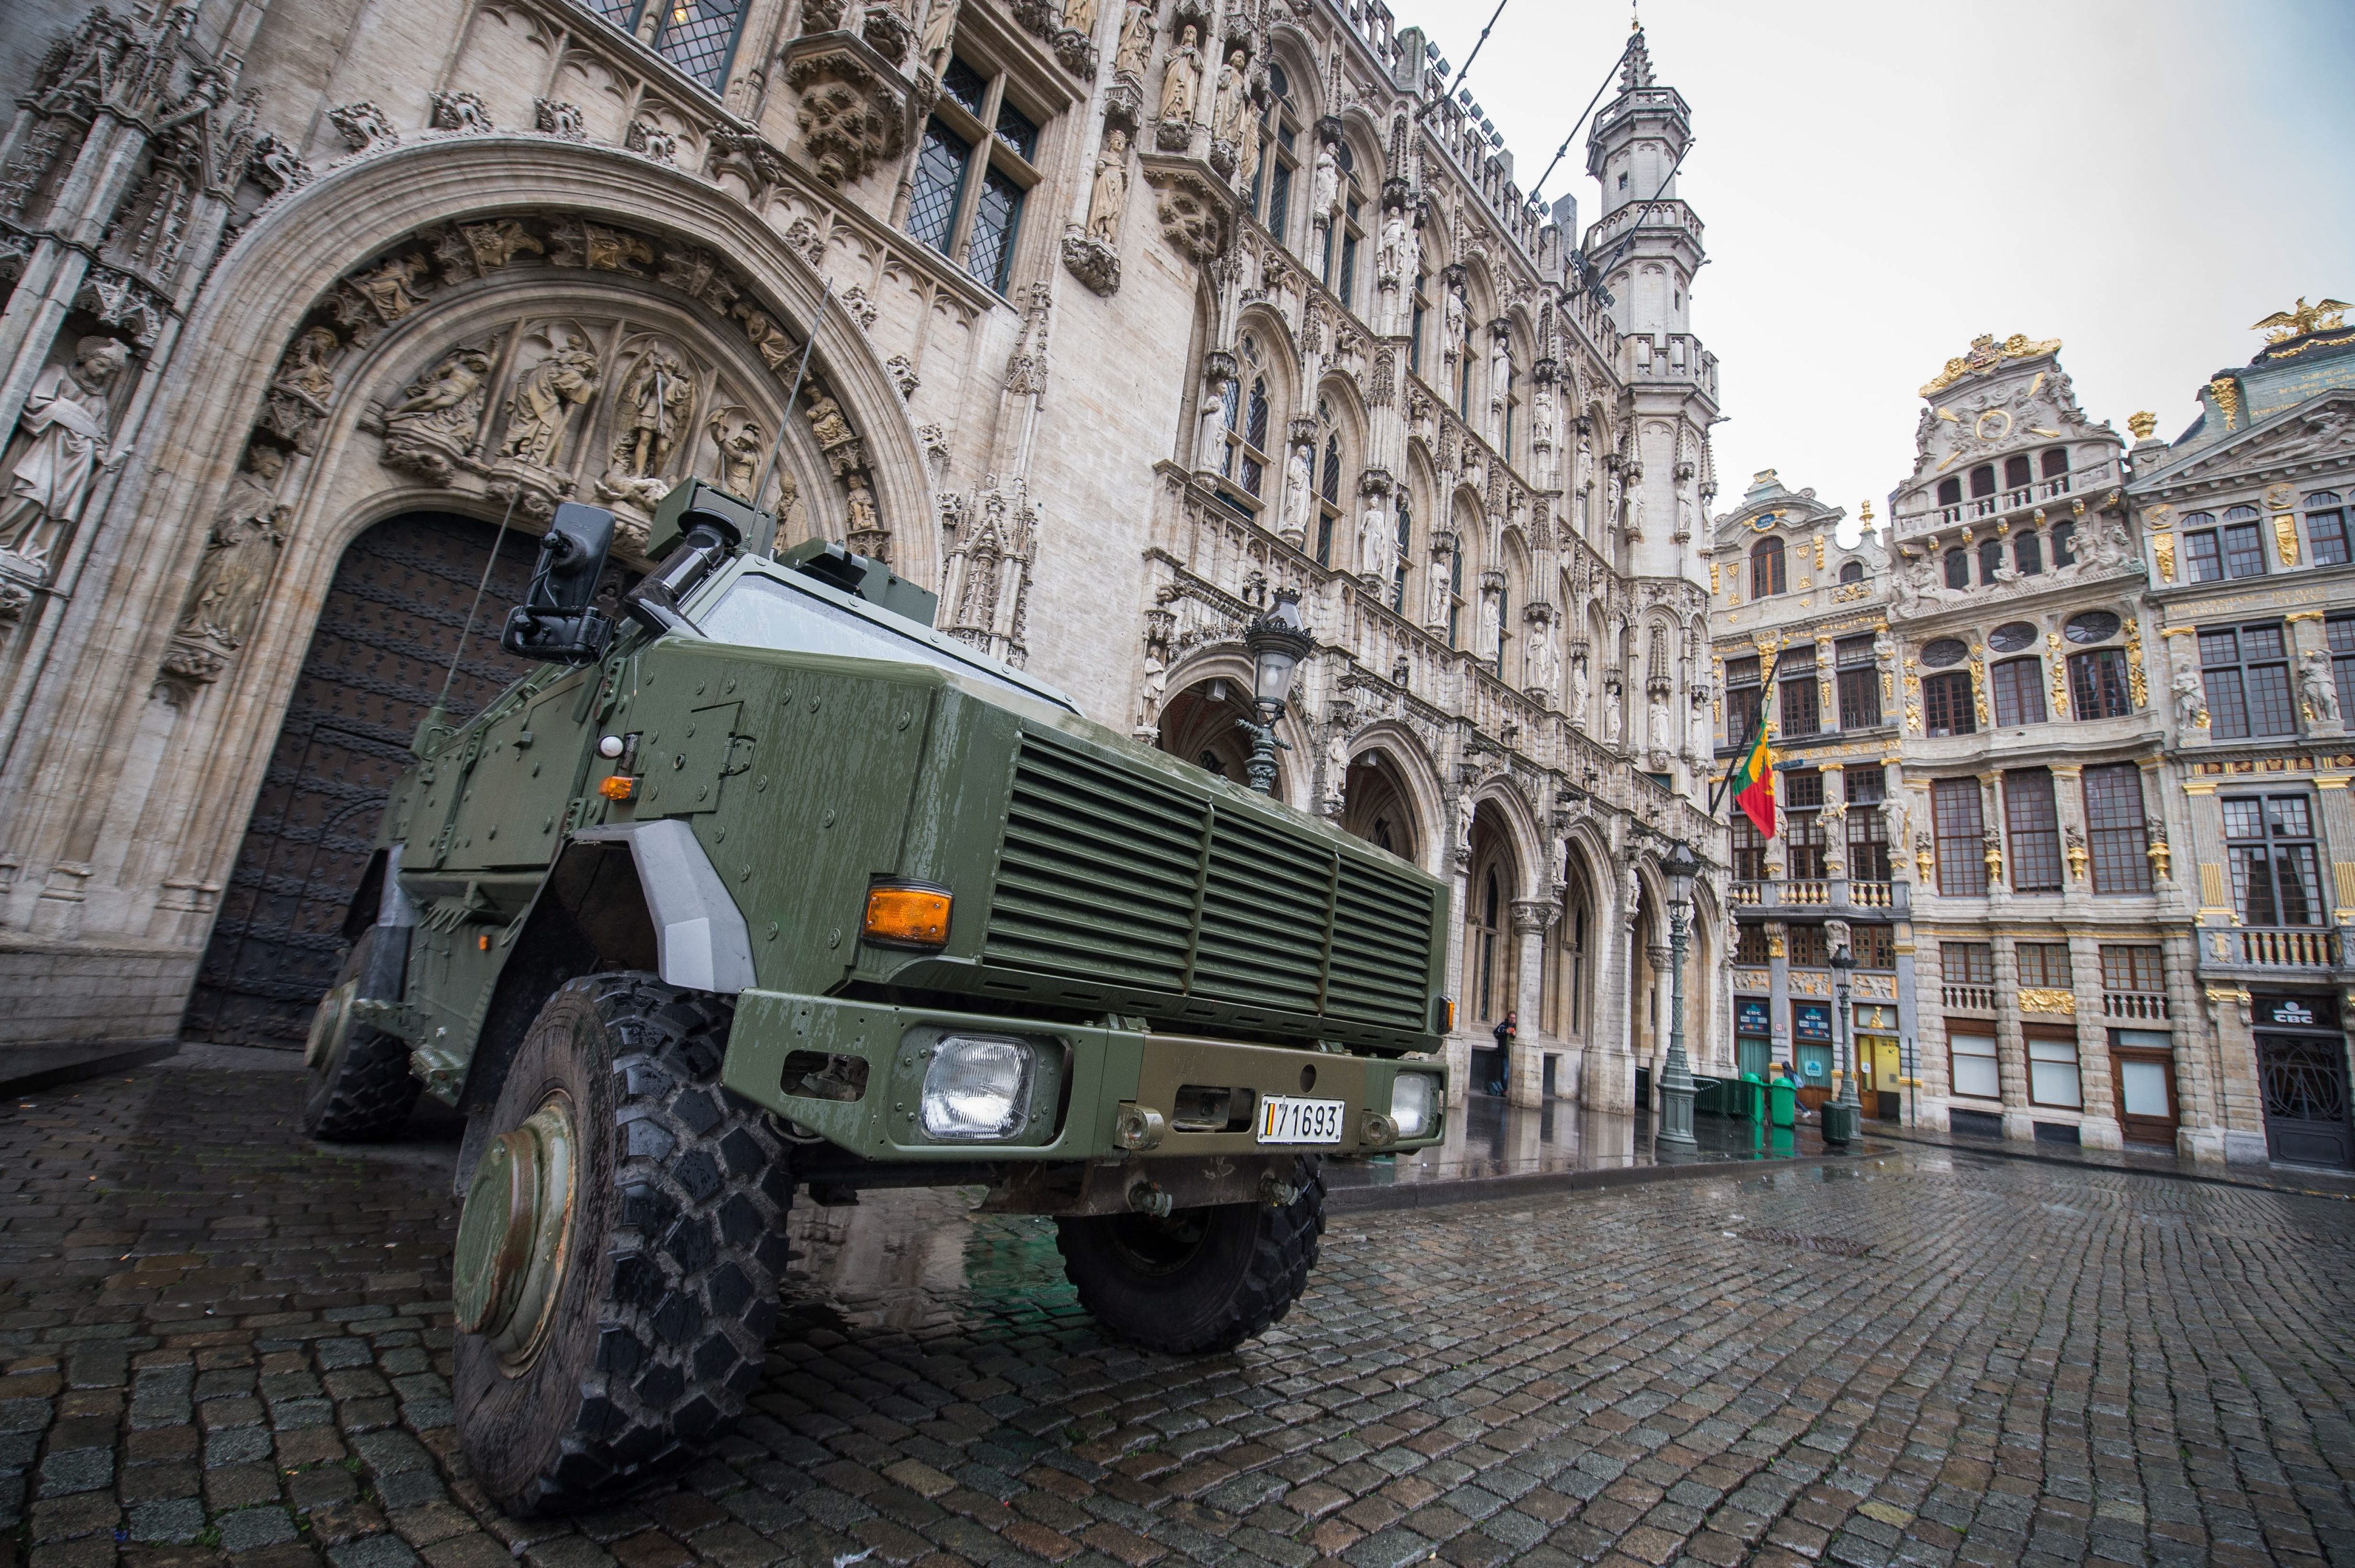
(1848, 1104)
(1277, 642)
(1676, 1081)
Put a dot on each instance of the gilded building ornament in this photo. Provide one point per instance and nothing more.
(2138, 683)
(2047, 1000)
(1984, 354)
(2226, 394)
(2142, 424)
(2302, 318)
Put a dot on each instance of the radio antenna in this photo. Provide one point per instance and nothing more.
(768, 546)
(441, 708)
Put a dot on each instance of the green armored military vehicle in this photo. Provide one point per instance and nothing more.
(759, 884)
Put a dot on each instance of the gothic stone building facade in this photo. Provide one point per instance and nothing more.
(2114, 765)
(1125, 315)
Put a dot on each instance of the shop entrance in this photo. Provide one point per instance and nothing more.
(2142, 1070)
(2302, 1078)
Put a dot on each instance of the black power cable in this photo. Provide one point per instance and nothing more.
(1466, 67)
(1603, 270)
(1563, 151)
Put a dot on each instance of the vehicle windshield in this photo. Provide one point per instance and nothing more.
(759, 612)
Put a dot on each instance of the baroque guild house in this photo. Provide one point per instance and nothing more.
(1121, 318)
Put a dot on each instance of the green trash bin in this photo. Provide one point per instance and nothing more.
(1753, 1097)
(1782, 1102)
(1839, 1123)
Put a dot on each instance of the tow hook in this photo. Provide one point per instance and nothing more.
(1146, 1198)
(1137, 1128)
(1278, 1194)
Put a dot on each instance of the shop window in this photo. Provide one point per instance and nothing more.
(1961, 834)
(2033, 826)
(2097, 684)
(2325, 529)
(2246, 672)
(2276, 874)
(2052, 1070)
(1946, 704)
(2117, 835)
(2017, 686)
(1972, 1066)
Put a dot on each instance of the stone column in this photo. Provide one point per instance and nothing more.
(1778, 993)
(2235, 1065)
(2098, 1126)
(2338, 847)
(2198, 1103)
(2010, 1047)
(1531, 919)
(1459, 1047)
(1664, 975)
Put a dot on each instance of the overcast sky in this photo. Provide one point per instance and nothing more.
(1879, 182)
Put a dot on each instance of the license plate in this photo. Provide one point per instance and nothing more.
(1285, 1119)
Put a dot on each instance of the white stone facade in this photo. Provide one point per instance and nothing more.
(1134, 314)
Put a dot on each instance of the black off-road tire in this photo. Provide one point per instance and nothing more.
(681, 1190)
(1203, 1280)
(363, 1091)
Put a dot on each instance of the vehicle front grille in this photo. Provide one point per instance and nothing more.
(1114, 876)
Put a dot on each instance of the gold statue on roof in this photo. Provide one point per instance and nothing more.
(2300, 319)
(1985, 354)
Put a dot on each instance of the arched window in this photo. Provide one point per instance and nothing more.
(1464, 384)
(1508, 394)
(2027, 553)
(1328, 491)
(1766, 568)
(1990, 561)
(1279, 155)
(1851, 572)
(1247, 420)
(1958, 568)
(1455, 594)
(1950, 492)
(1414, 332)
(2055, 461)
(1983, 482)
(1405, 545)
(1343, 236)
(2017, 473)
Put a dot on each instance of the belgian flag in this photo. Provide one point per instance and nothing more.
(1753, 783)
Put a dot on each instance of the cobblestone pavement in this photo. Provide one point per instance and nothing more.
(223, 1346)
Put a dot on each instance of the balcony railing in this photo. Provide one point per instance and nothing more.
(2018, 499)
(1822, 893)
(1979, 998)
(2134, 1006)
(2307, 947)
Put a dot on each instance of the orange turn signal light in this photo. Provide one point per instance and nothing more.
(906, 914)
(1447, 1010)
(620, 786)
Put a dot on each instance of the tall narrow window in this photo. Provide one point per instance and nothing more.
(2203, 560)
(2325, 529)
(1278, 154)
(2340, 631)
(1414, 332)
(1958, 568)
(2246, 672)
(1328, 499)
(1455, 595)
(2097, 684)
(1350, 234)
(2116, 830)
(2276, 878)
(1766, 568)
(1503, 619)
(2245, 542)
(1803, 824)
(1961, 837)
(940, 181)
(1749, 851)
(1797, 710)
(2017, 686)
(1490, 913)
(2033, 826)
(2064, 544)
(1990, 562)
(1859, 682)
(1745, 696)
(2027, 553)
(1868, 833)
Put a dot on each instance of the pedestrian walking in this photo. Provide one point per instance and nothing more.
(1505, 1033)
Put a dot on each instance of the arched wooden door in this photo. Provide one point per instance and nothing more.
(377, 661)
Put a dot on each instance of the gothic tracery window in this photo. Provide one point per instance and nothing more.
(1246, 418)
(696, 36)
(974, 171)
(1279, 155)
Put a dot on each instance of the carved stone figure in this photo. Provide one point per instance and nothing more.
(1324, 194)
(1181, 81)
(1492, 632)
(1465, 809)
(1136, 41)
(1452, 316)
(2316, 690)
(1156, 681)
(655, 402)
(2108, 540)
(1582, 693)
(1337, 767)
(1080, 16)
(1377, 544)
(1544, 662)
(1442, 591)
(241, 547)
(1585, 466)
(1298, 495)
(940, 30)
(1395, 242)
(1660, 735)
(1230, 120)
(1247, 154)
(447, 397)
(545, 398)
(1611, 710)
(1109, 197)
(61, 441)
(742, 443)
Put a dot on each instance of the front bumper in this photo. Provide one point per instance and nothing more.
(867, 1062)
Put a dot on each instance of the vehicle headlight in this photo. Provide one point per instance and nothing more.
(1412, 1105)
(978, 1086)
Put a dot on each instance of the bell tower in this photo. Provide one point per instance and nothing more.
(1646, 245)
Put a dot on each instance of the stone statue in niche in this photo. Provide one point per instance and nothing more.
(1324, 194)
(1452, 318)
(1583, 469)
(1544, 671)
(2316, 690)
(656, 402)
(1108, 199)
(1443, 590)
(1181, 81)
(1298, 499)
(61, 442)
(1582, 692)
(1247, 158)
(248, 529)
(940, 30)
(742, 444)
(1466, 808)
(1394, 245)
(1231, 117)
(1662, 740)
(1492, 630)
(1611, 693)
(1336, 769)
(1377, 544)
(1136, 41)
(545, 398)
(1080, 16)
